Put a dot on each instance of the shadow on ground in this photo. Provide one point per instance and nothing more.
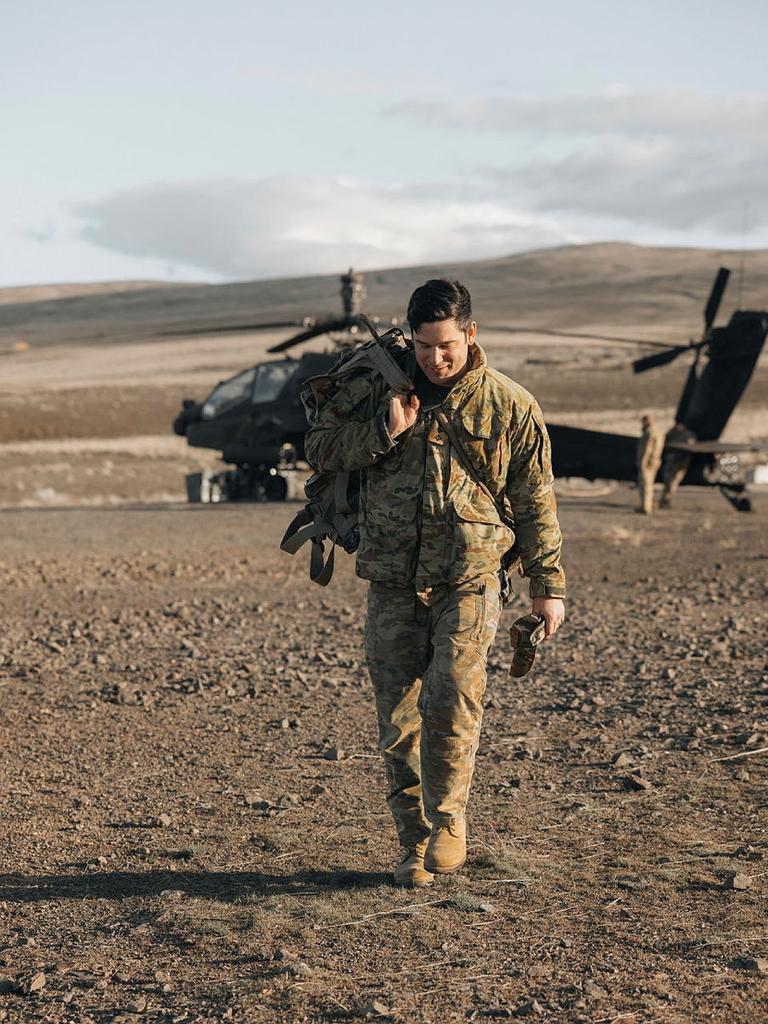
(220, 885)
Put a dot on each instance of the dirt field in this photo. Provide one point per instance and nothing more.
(194, 820)
(195, 827)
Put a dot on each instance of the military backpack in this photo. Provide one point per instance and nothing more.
(331, 512)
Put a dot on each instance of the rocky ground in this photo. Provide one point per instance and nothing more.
(194, 824)
(194, 820)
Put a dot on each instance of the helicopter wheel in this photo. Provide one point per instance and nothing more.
(276, 488)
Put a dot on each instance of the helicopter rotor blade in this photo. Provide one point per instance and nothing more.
(324, 327)
(228, 328)
(715, 298)
(660, 358)
(587, 336)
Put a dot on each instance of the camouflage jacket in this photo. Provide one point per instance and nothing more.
(423, 519)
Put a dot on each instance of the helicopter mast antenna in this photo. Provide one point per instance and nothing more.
(745, 221)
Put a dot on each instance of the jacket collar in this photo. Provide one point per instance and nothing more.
(464, 389)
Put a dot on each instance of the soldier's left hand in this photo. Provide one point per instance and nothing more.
(553, 611)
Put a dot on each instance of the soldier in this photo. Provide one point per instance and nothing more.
(431, 541)
(675, 463)
(650, 448)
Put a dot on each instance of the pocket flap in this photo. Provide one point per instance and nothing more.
(478, 422)
(478, 510)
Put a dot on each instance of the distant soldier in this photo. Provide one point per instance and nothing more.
(650, 448)
(675, 463)
(352, 292)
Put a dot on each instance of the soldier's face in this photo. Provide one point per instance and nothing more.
(442, 350)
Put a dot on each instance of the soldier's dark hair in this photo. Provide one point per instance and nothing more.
(440, 299)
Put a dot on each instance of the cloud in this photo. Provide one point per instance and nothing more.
(674, 160)
(673, 188)
(618, 111)
(301, 225)
(658, 166)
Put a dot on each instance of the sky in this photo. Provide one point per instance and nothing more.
(251, 139)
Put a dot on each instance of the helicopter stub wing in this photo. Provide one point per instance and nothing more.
(717, 447)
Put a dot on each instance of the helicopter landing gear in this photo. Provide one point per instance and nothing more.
(275, 487)
(734, 493)
(204, 488)
(246, 483)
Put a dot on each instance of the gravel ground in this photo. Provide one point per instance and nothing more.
(194, 821)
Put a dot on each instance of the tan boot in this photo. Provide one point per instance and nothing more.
(447, 849)
(410, 871)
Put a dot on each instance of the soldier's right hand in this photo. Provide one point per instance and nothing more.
(403, 410)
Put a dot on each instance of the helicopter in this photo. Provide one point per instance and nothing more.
(257, 422)
(256, 419)
(724, 360)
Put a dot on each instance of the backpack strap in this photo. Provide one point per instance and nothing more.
(340, 497)
(374, 356)
(307, 527)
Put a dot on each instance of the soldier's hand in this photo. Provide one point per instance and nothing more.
(553, 611)
(403, 410)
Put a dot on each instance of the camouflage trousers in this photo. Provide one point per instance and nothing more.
(646, 478)
(427, 664)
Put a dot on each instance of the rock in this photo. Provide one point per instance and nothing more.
(593, 990)
(635, 783)
(162, 976)
(334, 754)
(299, 970)
(138, 1005)
(376, 1009)
(163, 821)
(532, 1008)
(621, 760)
(36, 982)
(739, 881)
(319, 789)
(632, 884)
(756, 964)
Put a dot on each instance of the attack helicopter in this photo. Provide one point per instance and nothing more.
(723, 364)
(256, 419)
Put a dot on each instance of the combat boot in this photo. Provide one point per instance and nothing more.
(410, 872)
(447, 849)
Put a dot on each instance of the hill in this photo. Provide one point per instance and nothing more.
(606, 287)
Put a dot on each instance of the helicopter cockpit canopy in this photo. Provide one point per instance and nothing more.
(258, 384)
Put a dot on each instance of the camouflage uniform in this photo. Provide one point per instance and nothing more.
(650, 448)
(676, 464)
(430, 543)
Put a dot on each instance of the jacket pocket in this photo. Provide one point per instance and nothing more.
(479, 536)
